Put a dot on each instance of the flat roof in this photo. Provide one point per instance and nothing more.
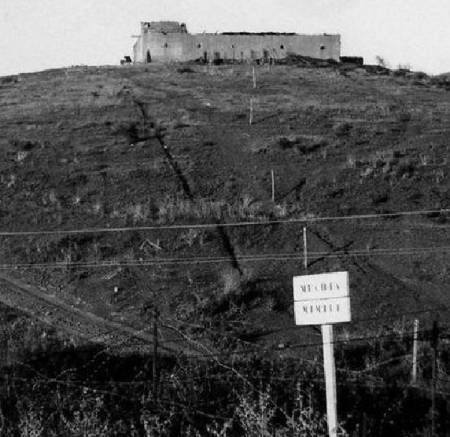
(259, 33)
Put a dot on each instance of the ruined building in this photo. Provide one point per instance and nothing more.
(168, 41)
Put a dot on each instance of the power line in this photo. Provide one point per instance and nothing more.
(302, 220)
(290, 256)
(299, 346)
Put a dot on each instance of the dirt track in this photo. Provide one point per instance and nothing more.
(71, 320)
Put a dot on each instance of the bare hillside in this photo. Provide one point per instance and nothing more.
(170, 146)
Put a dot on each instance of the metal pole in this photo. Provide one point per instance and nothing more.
(414, 361)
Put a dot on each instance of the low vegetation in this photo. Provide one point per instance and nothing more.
(169, 149)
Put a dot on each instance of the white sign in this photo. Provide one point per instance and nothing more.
(322, 299)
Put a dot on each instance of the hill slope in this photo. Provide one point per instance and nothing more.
(172, 145)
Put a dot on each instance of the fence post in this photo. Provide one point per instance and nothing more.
(414, 361)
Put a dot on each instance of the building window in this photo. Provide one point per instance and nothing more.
(166, 45)
(232, 46)
(199, 46)
(282, 47)
(322, 47)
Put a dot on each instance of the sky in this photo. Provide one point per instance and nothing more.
(41, 34)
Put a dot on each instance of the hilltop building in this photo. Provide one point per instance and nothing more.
(166, 41)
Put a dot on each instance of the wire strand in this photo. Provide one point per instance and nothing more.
(225, 224)
(289, 256)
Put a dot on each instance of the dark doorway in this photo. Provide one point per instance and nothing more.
(149, 57)
(205, 57)
(266, 55)
(218, 58)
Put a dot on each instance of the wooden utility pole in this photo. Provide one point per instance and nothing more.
(434, 346)
(155, 353)
(305, 250)
(328, 360)
(273, 185)
(414, 360)
(251, 112)
(254, 77)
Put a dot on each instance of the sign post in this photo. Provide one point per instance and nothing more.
(330, 378)
(324, 300)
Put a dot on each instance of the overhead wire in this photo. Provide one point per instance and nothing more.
(264, 257)
(301, 220)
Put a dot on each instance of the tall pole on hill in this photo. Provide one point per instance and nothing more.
(328, 360)
(273, 185)
(414, 363)
(434, 346)
(305, 251)
(155, 353)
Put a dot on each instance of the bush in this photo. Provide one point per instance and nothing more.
(185, 70)
(342, 129)
(260, 416)
(30, 424)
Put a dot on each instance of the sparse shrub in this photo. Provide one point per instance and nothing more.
(380, 196)
(303, 143)
(260, 416)
(439, 176)
(286, 143)
(191, 236)
(24, 145)
(424, 159)
(231, 281)
(183, 70)
(406, 168)
(232, 293)
(381, 62)
(88, 420)
(255, 416)
(304, 421)
(217, 429)
(342, 129)
(368, 171)
(30, 424)
(351, 161)
(172, 208)
(404, 117)
(156, 425)
(281, 210)
(137, 212)
(260, 146)
(240, 116)
(8, 79)
(419, 75)
(247, 207)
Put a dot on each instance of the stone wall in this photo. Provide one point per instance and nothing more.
(167, 47)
